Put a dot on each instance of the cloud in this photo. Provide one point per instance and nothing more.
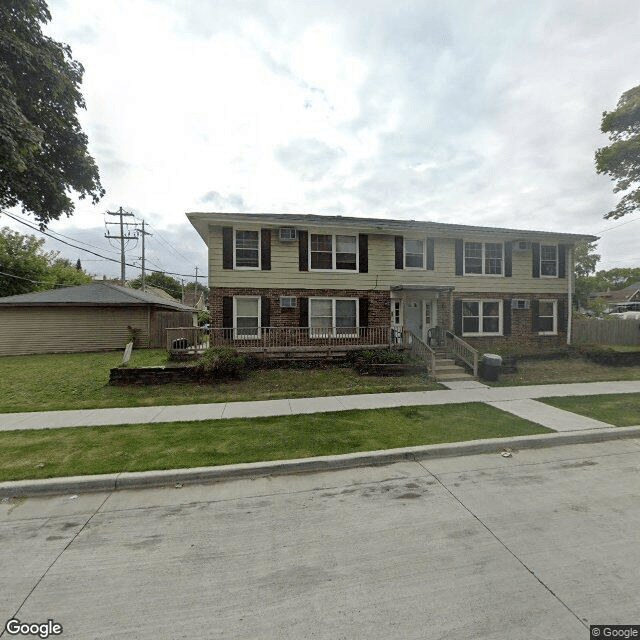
(309, 159)
(232, 202)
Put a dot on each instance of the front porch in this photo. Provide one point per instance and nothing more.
(445, 355)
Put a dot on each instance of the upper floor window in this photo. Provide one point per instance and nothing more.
(549, 260)
(247, 249)
(333, 252)
(414, 254)
(483, 258)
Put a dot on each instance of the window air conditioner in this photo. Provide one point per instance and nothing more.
(521, 245)
(287, 302)
(520, 304)
(288, 234)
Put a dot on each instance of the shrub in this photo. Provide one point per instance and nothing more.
(223, 364)
(378, 356)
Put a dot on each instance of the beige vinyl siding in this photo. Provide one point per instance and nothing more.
(382, 274)
(69, 329)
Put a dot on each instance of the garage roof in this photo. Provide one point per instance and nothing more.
(95, 294)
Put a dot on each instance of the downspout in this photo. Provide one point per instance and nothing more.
(569, 293)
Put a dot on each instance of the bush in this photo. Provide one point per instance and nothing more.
(223, 364)
(606, 355)
(378, 356)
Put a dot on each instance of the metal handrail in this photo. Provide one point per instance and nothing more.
(463, 350)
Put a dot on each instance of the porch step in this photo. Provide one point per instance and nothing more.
(450, 377)
(446, 368)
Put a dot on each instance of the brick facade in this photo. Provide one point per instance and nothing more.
(522, 336)
(379, 303)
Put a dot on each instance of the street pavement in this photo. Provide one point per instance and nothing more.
(539, 544)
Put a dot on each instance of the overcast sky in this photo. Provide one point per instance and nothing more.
(479, 112)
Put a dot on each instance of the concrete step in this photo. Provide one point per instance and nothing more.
(440, 377)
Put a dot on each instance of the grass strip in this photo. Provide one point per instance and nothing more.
(58, 381)
(73, 451)
(621, 409)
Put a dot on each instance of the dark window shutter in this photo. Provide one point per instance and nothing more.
(562, 316)
(303, 303)
(562, 261)
(457, 317)
(363, 310)
(227, 247)
(265, 249)
(303, 252)
(506, 317)
(535, 316)
(227, 312)
(363, 248)
(399, 242)
(265, 312)
(430, 251)
(508, 259)
(535, 266)
(459, 258)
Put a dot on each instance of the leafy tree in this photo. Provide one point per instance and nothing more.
(161, 281)
(25, 267)
(43, 150)
(585, 261)
(621, 159)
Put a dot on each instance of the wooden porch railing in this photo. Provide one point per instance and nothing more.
(420, 349)
(463, 350)
(278, 339)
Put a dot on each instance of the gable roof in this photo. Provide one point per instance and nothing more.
(94, 294)
(201, 221)
(619, 295)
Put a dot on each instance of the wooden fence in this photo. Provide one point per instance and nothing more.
(626, 332)
(163, 320)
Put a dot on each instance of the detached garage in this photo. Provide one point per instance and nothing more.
(91, 317)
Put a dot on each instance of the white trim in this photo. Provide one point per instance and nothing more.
(334, 247)
(334, 333)
(480, 316)
(235, 318)
(424, 254)
(551, 244)
(483, 258)
(236, 268)
(555, 317)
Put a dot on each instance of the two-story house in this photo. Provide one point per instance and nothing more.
(333, 276)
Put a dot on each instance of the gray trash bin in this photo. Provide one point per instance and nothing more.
(491, 365)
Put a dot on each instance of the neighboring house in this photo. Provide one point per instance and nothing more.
(333, 275)
(194, 299)
(627, 299)
(89, 317)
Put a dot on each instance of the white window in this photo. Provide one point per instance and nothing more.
(246, 249)
(333, 252)
(333, 317)
(482, 317)
(548, 317)
(414, 254)
(483, 258)
(549, 260)
(246, 317)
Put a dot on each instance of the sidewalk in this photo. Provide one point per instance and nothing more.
(517, 400)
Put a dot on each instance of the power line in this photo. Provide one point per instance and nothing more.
(13, 275)
(619, 225)
(99, 255)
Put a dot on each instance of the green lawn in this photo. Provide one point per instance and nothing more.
(80, 381)
(564, 370)
(621, 410)
(91, 450)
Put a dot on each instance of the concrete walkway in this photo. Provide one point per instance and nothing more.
(516, 400)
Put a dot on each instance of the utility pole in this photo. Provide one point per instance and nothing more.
(122, 237)
(196, 289)
(143, 233)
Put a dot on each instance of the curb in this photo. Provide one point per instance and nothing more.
(203, 475)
